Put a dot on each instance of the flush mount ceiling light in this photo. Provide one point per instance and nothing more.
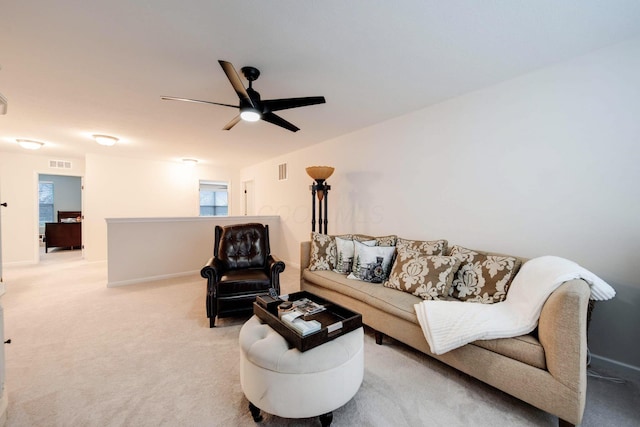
(29, 144)
(105, 140)
(3, 104)
(190, 162)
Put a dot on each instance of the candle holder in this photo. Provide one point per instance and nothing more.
(320, 189)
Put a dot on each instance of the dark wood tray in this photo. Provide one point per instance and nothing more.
(267, 310)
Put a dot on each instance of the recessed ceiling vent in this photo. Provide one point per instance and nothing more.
(59, 164)
(282, 172)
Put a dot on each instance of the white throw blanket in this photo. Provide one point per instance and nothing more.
(451, 324)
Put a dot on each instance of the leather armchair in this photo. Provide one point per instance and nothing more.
(241, 268)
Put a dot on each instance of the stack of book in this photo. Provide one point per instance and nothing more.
(298, 316)
(295, 319)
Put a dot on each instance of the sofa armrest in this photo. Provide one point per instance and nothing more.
(274, 267)
(562, 331)
(305, 256)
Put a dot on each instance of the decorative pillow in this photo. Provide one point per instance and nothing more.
(409, 250)
(323, 251)
(432, 247)
(482, 278)
(428, 277)
(389, 240)
(345, 252)
(371, 263)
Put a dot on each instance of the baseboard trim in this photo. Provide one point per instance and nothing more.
(150, 279)
(614, 363)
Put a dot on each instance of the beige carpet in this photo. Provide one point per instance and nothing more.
(143, 355)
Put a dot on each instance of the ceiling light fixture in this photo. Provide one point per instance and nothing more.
(249, 114)
(190, 162)
(29, 144)
(105, 140)
(3, 104)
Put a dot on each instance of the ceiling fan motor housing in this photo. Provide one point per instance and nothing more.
(250, 73)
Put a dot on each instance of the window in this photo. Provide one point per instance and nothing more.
(45, 200)
(214, 198)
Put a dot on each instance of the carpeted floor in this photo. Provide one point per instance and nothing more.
(143, 355)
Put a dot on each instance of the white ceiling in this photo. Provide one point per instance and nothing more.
(72, 68)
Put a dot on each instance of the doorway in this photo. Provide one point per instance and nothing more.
(59, 216)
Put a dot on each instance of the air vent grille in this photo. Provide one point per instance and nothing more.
(59, 164)
(282, 172)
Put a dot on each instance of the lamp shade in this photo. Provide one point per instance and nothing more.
(320, 173)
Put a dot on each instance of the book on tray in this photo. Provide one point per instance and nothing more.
(295, 319)
(307, 307)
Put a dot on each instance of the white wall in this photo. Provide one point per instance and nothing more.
(118, 187)
(542, 164)
(19, 189)
(114, 187)
(143, 249)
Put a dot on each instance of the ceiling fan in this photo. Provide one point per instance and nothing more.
(252, 108)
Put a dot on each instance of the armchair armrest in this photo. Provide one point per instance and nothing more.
(212, 270)
(274, 267)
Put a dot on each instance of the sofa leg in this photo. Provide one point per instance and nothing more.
(563, 423)
(212, 322)
(379, 336)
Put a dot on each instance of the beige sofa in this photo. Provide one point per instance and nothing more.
(546, 368)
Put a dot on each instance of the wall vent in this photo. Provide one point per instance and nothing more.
(282, 172)
(59, 164)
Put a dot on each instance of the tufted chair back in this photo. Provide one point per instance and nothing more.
(242, 246)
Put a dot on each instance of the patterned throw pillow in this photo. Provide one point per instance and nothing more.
(432, 247)
(428, 277)
(323, 251)
(371, 263)
(407, 251)
(345, 252)
(482, 278)
(389, 240)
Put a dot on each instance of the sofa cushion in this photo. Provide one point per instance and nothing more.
(399, 304)
(481, 277)
(428, 277)
(371, 263)
(525, 348)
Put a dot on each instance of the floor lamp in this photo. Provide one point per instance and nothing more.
(320, 188)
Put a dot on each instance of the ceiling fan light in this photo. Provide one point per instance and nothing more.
(250, 115)
(29, 144)
(105, 140)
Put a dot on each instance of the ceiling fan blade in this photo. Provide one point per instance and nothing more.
(234, 78)
(172, 98)
(283, 104)
(232, 123)
(279, 121)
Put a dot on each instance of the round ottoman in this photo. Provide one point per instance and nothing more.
(278, 379)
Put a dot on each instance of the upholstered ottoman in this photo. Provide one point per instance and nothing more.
(280, 380)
